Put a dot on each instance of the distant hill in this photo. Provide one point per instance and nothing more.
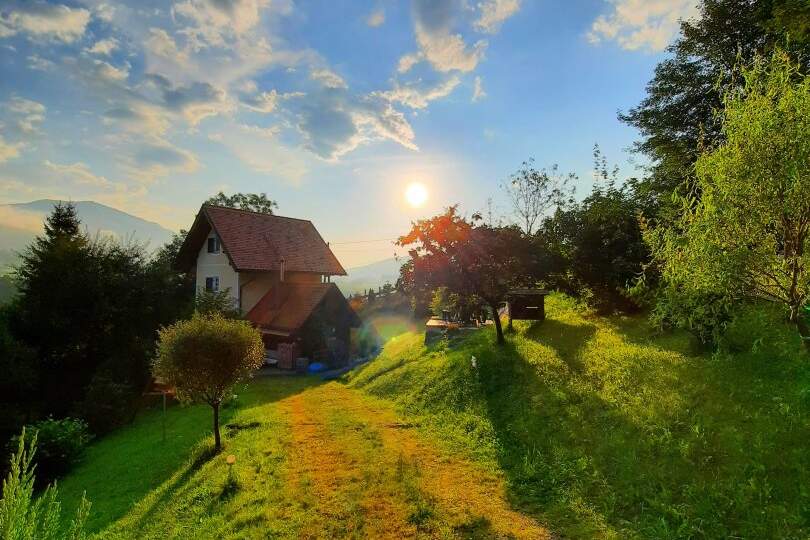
(17, 229)
(370, 275)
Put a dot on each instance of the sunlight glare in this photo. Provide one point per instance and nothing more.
(416, 195)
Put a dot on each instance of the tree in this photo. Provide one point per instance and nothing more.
(595, 247)
(246, 201)
(533, 193)
(747, 235)
(89, 311)
(470, 260)
(203, 358)
(686, 90)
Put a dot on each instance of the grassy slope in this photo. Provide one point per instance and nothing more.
(605, 432)
(597, 430)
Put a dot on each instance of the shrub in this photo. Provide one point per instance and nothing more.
(61, 444)
(24, 516)
(760, 330)
(107, 404)
(203, 358)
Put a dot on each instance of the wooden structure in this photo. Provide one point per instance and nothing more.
(526, 305)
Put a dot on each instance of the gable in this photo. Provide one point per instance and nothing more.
(259, 242)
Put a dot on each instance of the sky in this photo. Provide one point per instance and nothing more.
(332, 108)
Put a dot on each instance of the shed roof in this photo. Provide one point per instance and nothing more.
(285, 309)
(255, 241)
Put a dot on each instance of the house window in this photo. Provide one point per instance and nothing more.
(212, 284)
(213, 245)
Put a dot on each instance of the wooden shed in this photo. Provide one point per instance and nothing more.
(526, 305)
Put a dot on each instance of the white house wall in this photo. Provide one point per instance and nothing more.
(216, 265)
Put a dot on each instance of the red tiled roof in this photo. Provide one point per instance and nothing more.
(258, 242)
(288, 306)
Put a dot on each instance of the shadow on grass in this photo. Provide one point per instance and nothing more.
(650, 441)
(127, 466)
(567, 339)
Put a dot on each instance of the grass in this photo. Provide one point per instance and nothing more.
(589, 427)
(605, 430)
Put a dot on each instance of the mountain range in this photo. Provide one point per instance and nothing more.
(20, 223)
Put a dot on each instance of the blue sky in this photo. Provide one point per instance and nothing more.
(330, 107)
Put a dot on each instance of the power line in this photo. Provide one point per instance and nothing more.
(362, 241)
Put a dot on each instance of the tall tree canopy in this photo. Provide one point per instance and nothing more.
(679, 109)
(245, 201)
(748, 235)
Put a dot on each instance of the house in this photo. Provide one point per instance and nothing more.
(277, 270)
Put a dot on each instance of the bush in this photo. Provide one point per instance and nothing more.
(760, 330)
(24, 516)
(107, 404)
(61, 444)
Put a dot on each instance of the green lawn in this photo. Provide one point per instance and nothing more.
(606, 431)
(597, 428)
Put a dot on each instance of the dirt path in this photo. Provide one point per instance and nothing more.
(363, 473)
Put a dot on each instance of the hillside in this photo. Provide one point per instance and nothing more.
(583, 426)
(24, 219)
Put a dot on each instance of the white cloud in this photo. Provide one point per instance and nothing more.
(263, 154)
(27, 115)
(494, 13)
(8, 150)
(407, 61)
(376, 18)
(104, 47)
(478, 90)
(81, 174)
(38, 63)
(162, 44)
(155, 157)
(328, 78)
(107, 72)
(137, 118)
(415, 97)
(445, 50)
(214, 22)
(41, 20)
(194, 101)
(642, 24)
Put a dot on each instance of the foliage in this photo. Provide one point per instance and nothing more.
(747, 236)
(107, 404)
(221, 302)
(246, 201)
(533, 193)
(678, 112)
(87, 306)
(595, 248)
(60, 445)
(470, 260)
(203, 358)
(18, 365)
(24, 516)
(604, 431)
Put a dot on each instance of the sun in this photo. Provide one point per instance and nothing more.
(416, 195)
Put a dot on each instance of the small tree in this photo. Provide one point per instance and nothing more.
(533, 193)
(471, 261)
(203, 358)
(245, 201)
(748, 235)
(24, 516)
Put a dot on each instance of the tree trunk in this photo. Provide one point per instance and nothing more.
(797, 318)
(497, 317)
(217, 440)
